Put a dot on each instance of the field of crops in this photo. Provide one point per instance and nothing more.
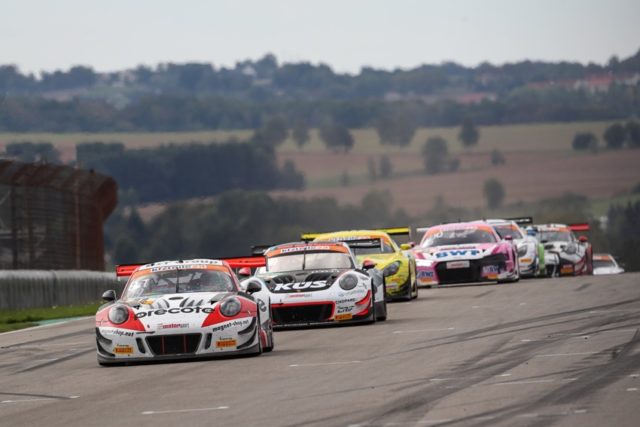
(539, 163)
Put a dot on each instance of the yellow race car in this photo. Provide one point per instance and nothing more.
(394, 261)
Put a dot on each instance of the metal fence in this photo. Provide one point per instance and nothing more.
(36, 288)
(51, 216)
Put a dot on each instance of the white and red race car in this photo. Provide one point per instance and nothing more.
(320, 283)
(182, 309)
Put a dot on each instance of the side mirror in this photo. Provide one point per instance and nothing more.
(253, 287)
(583, 239)
(367, 264)
(244, 272)
(407, 246)
(109, 295)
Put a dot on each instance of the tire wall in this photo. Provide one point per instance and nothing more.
(47, 288)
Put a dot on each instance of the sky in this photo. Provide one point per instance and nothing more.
(344, 34)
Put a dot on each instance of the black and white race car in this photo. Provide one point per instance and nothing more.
(182, 309)
(320, 283)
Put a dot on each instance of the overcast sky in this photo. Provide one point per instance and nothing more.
(345, 34)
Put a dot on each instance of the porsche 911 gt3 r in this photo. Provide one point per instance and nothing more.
(396, 265)
(182, 309)
(320, 283)
(565, 254)
(465, 252)
(605, 264)
(530, 251)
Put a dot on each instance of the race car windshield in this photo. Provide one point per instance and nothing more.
(460, 236)
(555, 236)
(508, 230)
(599, 263)
(179, 281)
(381, 248)
(309, 261)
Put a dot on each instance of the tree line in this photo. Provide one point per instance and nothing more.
(230, 224)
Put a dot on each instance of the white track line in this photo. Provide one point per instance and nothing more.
(567, 354)
(39, 399)
(45, 326)
(304, 365)
(177, 411)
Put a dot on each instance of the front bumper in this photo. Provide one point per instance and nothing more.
(239, 336)
(488, 269)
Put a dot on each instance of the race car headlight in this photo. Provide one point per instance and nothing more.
(522, 250)
(348, 282)
(230, 307)
(571, 249)
(118, 314)
(392, 268)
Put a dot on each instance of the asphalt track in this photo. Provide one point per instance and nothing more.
(560, 352)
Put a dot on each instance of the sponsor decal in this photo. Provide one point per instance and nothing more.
(566, 269)
(344, 316)
(305, 248)
(261, 305)
(290, 287)
(226, 343)
(183, 310)
(425, 274)
(459, 252)
(123, 349)
(458, 264)
(490, 269)
(345, 309)
(344, 301)
(118, 332)
(299, 296)
(173, 325)
(526, 260)
(236, 323)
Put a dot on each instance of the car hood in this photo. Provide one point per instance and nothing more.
(456, 252)
(300, 281)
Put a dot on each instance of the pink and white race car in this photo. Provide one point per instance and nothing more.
(465, 252)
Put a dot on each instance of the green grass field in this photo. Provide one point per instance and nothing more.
(18, 319)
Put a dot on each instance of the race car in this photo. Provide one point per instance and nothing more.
(530, 251)
(605, 264)
(398, 266)
(465, 252)
(320, 283)
(565, 255)
(182, 309)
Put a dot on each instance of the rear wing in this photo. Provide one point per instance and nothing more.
(253, 261)
(584, 226)
(126, 270)
(259, 250)
(393, 231)
(363, 243)
(526, 220)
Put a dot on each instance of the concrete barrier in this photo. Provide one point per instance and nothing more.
(48, 288)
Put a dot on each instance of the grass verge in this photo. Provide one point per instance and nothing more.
(11, 320)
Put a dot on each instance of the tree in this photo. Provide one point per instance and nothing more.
(614, 135)
(386, 167)
(469, 134)
(633, 134)
(435, 155)
(497, 158)
(345, 179)
(33, 151)
(300, 133)
(584, 141)
(371, 168)
(336, 137)
(494, 193)
(396, 128)
(273, 133)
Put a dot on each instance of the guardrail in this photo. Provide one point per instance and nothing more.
(48, 288)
